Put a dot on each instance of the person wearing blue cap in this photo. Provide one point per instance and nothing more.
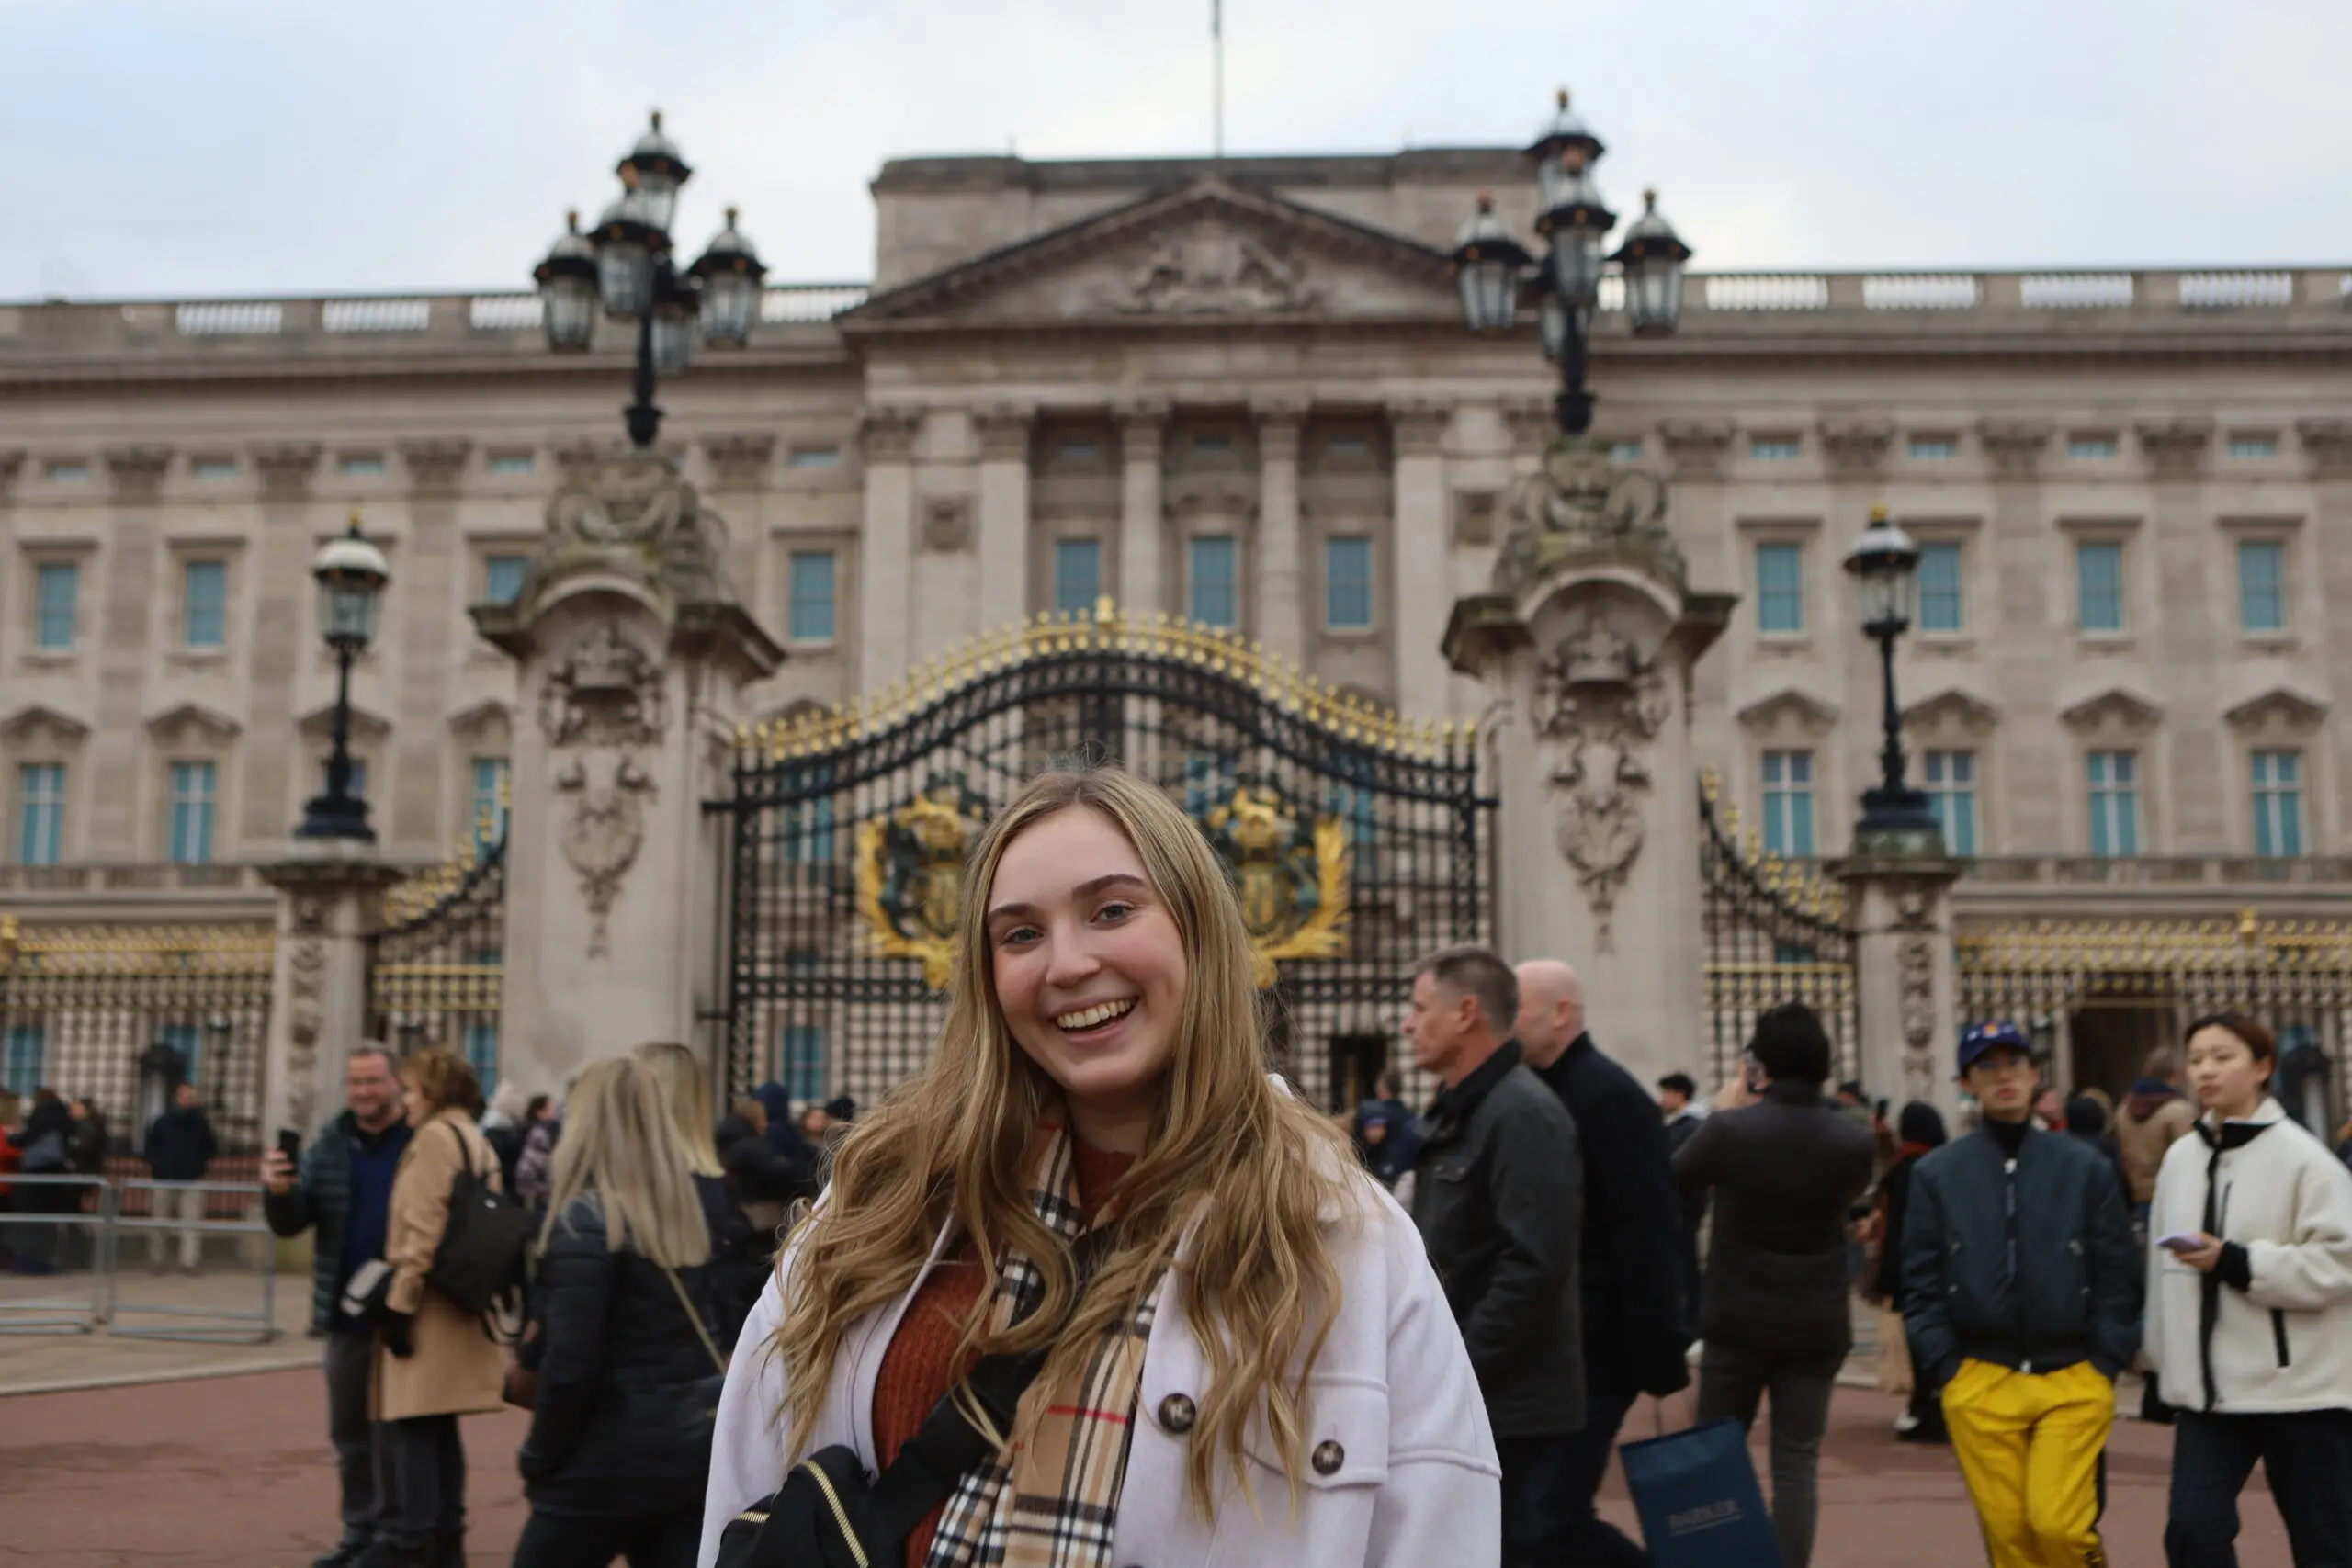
(2021, 1293)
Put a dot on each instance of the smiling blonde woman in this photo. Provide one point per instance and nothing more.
(1263, 1369)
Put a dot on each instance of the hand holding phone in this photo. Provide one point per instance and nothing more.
(2189, 1241)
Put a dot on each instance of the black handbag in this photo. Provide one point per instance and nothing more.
(485, 1246)
(831, 1514)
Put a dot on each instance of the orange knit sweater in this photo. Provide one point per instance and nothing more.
(921, 1365)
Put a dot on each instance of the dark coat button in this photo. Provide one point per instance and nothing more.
(1327, 1458)
(1178, 1413)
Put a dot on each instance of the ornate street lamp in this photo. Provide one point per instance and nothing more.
(1572, 215)
(351, 574)
(1885, 565)
(624, 264)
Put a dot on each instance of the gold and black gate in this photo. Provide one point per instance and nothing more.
(1776, 932)
(1357, 841)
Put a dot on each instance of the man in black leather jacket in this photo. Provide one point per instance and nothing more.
(2021, 1290)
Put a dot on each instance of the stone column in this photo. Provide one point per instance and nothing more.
(2191, 799)
(1417, 554)
(1907, 977)
(1279, 617)
(632, 654)
(1004, 434)
(1585, 647)
(328, 895)
(281, 571)
(1695, 453)
(1143, 429)
(409, 807)
(2016, 629)
(136, 583)
(2327, 444)
(887, 563)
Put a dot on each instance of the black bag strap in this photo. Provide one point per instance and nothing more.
(931, 1463)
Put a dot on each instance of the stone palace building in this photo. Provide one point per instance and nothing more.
(1240, 392)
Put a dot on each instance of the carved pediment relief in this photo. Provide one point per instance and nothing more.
(37, 725)
(1788, 711)
(2279, 710)
(189, 723)
(319, 723)
(2114, 710)
(1951, 712)
(489, 720)
(1210, 250)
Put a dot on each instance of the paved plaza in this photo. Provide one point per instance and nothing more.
(235, 1472)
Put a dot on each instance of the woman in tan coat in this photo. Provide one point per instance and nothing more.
(434, 1362)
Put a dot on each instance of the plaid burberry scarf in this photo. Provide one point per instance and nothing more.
(1052, 1501)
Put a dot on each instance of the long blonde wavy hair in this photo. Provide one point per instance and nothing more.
(620, 1151)
(687, 1085)
(1251, 1173)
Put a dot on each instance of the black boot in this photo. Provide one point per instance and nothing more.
(384, 1552)
(344, 1556)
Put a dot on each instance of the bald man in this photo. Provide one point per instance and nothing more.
(1634, 1276)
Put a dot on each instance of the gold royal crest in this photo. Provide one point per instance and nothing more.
(910, 872)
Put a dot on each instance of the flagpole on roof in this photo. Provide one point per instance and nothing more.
(1217, 50)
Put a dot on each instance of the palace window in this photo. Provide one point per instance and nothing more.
(482, 1048)
(1347, 583)
(192, 809)
(2278, 803)
(1951, 794)
(808, 616)
(1077, 575)
(813, 457)
(801, 1068)
(808, 824)
(1211, 580)
(56, 590)
(1934, 448)
(1788, 804)
(502, 578)
(2113, 781)
(511, 462)
(2090, 448)
(2098, 587)
(187, 1038)
(2262, 586)
(204, 603)
(67, 473)
(1628, 451)
(1773, 449)
(360, 464)
(1779, 589)
(486, 802)
(20, 1069)
(1939, 589)
(2253, 447)
(212, 468)
(41, 813)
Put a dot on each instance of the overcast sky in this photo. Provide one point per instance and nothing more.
(204, 147)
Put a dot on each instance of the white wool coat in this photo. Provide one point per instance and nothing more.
(2286, 1344)
(1416, 1484)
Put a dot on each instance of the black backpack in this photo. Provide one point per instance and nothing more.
(484, 1248)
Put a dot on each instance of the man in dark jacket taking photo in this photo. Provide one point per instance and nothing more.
(2021, 1290)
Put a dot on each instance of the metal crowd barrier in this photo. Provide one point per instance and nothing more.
(46, 1234)
(220, 1325)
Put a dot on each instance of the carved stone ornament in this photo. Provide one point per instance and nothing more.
(603, 704)
(1599, 700)
(2176, 448)
(286, 468)
(2013, 445)
(1696, 448)
(1580, 507)
(632, 513)
(434, 467)
(1211, 269)
(1858, 449)
(947, 525)
(11, 463)
(739, 461)
(1474, 517)
(138, 470)
(2326, 442)
(306, 975)
(1914, 968)
(887, 434)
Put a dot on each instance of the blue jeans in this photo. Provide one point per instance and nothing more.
(1539, 1513)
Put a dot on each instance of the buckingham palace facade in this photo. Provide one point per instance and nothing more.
(1237, 392)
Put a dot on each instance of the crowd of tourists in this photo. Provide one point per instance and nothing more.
(1095, 1288)
(65, 1141)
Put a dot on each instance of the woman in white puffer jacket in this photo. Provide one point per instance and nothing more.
(2249, 1317)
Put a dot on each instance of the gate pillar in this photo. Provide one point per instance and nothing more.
(1584, 645)
(631, 657)
(1906, 974)
(327, 896)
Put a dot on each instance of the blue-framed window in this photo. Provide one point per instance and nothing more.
(204, 603)
(1347, 583)
(502, 578)
(57, 590)
(1941, 608)
(486, 801)
(1934, 448)
(1788, 803)
(1951, 793)
(2099, 586)
(2262, 586)
(1211, 579)
(27, 1051)
(2278, 803)
(41, 813)
(1773, 449)
(187, 1038)
(801, 1067)
(1077, 575)
(192, 812)
(481, 1048)
(1779, 589)
(808, 613)
(2112, 788)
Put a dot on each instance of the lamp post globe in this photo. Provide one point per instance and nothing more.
(629, 250)
(1489, 265)
(656, 173)
(730, 273)
(567, 281)
(351, 575)
(1886, 568)
(1651, 259)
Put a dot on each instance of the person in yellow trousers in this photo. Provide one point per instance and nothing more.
(2021, 1290)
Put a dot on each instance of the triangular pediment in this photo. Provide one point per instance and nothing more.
(1800, 709)
(2117, 707)
(1954, 709)
(483, 720)
(193, 721)
(1209, 251)
(319, 723)
(2282, 707)
(36, 721)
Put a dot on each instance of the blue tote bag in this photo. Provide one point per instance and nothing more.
(1700, 1504)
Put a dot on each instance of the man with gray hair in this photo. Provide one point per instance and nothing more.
(343, 1190)
(1499, 1198)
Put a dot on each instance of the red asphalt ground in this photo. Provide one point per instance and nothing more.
(235, 1473)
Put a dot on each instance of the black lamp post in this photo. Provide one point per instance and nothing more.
(624, 262)
(1885, 565)
(1495, 270)
(351, 575)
